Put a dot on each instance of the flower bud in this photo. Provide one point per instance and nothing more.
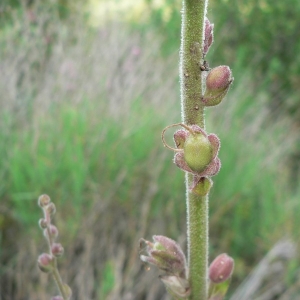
(198, 152)
(53, 231)
(221, 268)
(208, 36)
(57, 250)
(45, 262)
(166, 254)
(217, 85)
(44, 200)
(43, 223)
(202, 187)
(51, 209)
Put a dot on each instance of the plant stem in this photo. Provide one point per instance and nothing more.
(59, 282)
(191, 86)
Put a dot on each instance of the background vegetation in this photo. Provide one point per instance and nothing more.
(82, 109)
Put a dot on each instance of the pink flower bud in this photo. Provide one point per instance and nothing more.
(208, 36)
(45, 262)
(218, 78)
(57, 250)
(53, 231)
(221, 268)
(44, 200)
(218, 81)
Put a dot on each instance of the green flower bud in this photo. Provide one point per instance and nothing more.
(198, 152)
(203, 186)
(67, 290)
(57, 298)
(53, 231)
(177, 287)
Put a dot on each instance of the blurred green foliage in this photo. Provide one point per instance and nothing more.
(260, 35)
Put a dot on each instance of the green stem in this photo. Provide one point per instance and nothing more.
(191, 83)
(59, 282)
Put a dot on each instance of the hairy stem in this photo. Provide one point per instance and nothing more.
(191, 82)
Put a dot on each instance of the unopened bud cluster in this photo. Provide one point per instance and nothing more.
(47, 261)
(166, 255)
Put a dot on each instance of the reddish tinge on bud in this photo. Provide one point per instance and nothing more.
(57, 250)
(53, 231)
(208, 36)
(178, 287)
(218, 82)
(45, 262)
(165, 254)
(221, 268)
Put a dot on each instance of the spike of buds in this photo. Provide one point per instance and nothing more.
(221, 268)
(218, 82)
